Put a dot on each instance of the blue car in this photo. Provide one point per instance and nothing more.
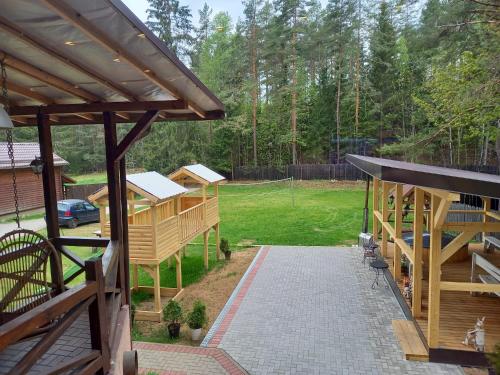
(72, 212)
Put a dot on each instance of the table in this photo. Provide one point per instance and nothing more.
(379, 266)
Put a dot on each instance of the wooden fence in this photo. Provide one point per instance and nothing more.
(81, 191)
(343, 171)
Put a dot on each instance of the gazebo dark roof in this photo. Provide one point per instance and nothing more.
(24, 153)
(453, 180)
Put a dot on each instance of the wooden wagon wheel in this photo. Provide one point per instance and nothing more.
(24, 260)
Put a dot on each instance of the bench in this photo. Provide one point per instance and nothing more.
(491, 242)
(493, 276)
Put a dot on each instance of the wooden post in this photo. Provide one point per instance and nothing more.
(204, 189)
(398, 228)
(50, 194)
(97, 310)
(418, 226)
(385, 216)
(486, 208)
(131, 204)
(205, 244)
(178, 271)
(434, 277)
(217, 240)
(375, 207)
(216, 189)
(125, 242)
(157, 286)
(102, 217)
(136, 276)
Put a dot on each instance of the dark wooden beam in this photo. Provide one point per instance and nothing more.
(50, 79)
(99, 107)
(49, 193)
(40, 44)
(81, 241)
(125, 245)
(136, 133)
(112, 170)
(133, 117)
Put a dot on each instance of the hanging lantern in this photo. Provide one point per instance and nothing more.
(5, 121)
(37, 165)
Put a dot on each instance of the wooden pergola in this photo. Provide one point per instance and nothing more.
(442, 312)
(78, 63)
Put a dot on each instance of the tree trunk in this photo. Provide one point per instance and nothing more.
(294, 96)
(497, 143)
(339, 82)
(255, 85)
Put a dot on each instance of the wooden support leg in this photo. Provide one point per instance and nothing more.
(135, 271)
(178, 271)
(217, 241)
(434, 277)
(418, 226)
(205, 251)
(156, 283)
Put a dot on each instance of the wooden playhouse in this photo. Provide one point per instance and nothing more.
(162, 220)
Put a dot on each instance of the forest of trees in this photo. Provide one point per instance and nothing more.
(305, 83)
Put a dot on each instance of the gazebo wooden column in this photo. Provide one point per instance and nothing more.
(418, 226)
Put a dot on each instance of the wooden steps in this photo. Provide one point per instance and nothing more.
(410, 341)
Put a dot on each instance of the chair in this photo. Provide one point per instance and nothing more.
(24, 261)
(369, 246)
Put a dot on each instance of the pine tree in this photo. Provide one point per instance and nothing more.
(172, 23)
(383, 72)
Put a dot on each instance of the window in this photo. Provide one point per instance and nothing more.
(89, 207)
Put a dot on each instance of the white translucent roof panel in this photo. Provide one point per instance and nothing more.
(105, 39)
(156, 185)
(206, 173)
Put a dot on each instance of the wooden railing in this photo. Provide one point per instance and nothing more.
(191, 222)
(53, 318)
(212, 211)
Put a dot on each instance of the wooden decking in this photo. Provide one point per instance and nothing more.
(459, 310)
(75, 342)
(410, 341)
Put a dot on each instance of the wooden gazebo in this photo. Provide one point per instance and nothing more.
(196, 177)
(162, 220)
(447, 301)
(78, 63)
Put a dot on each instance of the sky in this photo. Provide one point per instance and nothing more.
(233, 7)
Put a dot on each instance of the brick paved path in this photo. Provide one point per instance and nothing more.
(164, 359)
(310, 310)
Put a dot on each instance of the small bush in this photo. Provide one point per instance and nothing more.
(198, 317)
(495, 358)
(224, 246)
(172, 313)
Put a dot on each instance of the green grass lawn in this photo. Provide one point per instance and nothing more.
(91, 178)
(315, 214)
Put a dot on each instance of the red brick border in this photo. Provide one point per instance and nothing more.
(218, 355)
(221, 330)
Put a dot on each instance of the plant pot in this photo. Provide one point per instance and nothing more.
(195, 334)
(227, 255)
(173, 330)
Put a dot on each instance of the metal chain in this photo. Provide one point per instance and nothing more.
(10, 143)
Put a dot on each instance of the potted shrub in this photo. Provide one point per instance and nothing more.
(196, 319)
(172, 314)
(224, 247)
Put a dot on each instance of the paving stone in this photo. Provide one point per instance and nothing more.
(310, 310)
